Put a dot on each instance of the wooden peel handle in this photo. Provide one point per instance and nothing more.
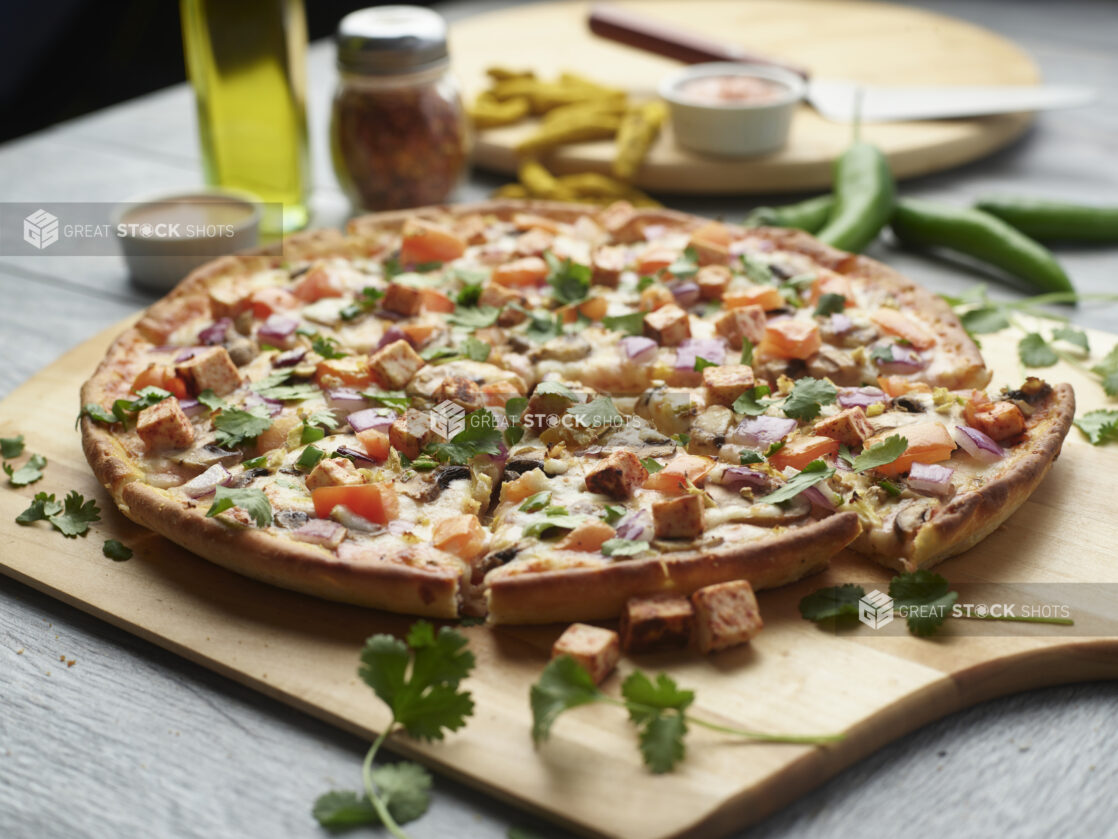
(634, 30)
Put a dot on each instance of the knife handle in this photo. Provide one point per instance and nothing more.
(634, 30)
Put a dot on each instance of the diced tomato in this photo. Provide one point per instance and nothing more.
(904, 327)
(316, 284)
(425, 241)
(928, 442)
(163, 376)
(766, 296)
(528, 221)
(529, 271)
(435, 301)
(351, 371)
(656, 258)
(683, 468)
(789, 338)
(461, 535)
(595, 308)
(497, 394)
(712, 243)
(375, 502)
(587, 537)
(375, 443)
(799, 453)
(268, 301)
(975, 403)
(829, 283)
(417, 333)
(899, 385)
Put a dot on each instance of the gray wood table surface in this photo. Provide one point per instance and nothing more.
(132, 741)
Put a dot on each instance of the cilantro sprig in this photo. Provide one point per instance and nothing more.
(815, 472)
(123, 409)
(480, 436)
(419, 679)
(880, 454)
(28, 473)
(569, 281)
(804, 402)
(71, 517)
(656, 707)
(236, 426)
(1099, 426)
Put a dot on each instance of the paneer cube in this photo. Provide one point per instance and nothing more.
(1000, 420)
(411, 432)
(678, 518)
(726, 383)
(607, 264)
(746, 323)
(460, 391)
(668, 326)
(164, 426)
(712, 281)
(726, 615)
(656, 297)
(850, 427)
(617, 476)
(334, 472)
(498, 296)
(395, 364)
(595, 649)
(402, 299)
(659, 622)
(210, 369)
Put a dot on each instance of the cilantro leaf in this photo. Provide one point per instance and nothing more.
(830, 304)
(984, 320)
(652, 465)
(11, 446)
(661, 742)
(341, 809)
(116, 551)
(474, 317)
(542, 326)
(750, 402)
(1034, 351)
(656, 708)
(476, 350)
(685, 265)
(406, 788)
(748, 456)
(545, 523)
(702, 363)
(535, 503)
(480, 436)
(1108, 370)
(551, 388)
(252, 501)
(274, 387)
(468, 295)
(42, 507)
(746, 351)
(925, 598)
(439, 353)
(211, 400)
(323, 417)
(28, 473)
(395, 399)
(236, 426)
(812, 474)
(630, 324)
(623, 547)
(613, 513)
(1070, 335)
(563, 684)
(1099, 426)
(569, 281)
(757, 271)
(647, 698)
(807, 398)
(76, 516)
(96, 413)
(327, 347)
(881, 453)
(598, 413)
(832, 603)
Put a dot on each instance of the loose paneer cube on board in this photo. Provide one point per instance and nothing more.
(726, 615)
(164, 426)
(660, 622)
(210, 369)
(596, 649)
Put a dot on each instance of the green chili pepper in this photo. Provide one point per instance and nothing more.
(809, 215)
(1055, 220)
(864, 192)
(926, 224)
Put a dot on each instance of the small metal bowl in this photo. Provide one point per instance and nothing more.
(165, 237)
(732, 129)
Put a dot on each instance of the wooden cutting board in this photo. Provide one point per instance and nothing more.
(795, 677)
(873, 43)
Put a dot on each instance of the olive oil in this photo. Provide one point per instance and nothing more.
(247, 62)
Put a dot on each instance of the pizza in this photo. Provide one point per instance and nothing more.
(536, 411)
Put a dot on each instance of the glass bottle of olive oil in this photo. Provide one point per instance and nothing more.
(247, 62)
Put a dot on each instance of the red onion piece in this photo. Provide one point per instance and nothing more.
(905, 360)
(216, 332)
(374, 418)
(861, 397)
(274, 406)
(638, 349)
(277, 330)
(928, 477)
(320, 532)
(736, 477)
(762, 430)
(290, 358)
(977, 444)
(186, 355)
(360, 457)
(686, 293)
(841, 324)
(712, 349)
(345, 399)
(818, 498)
(392, 335)
(207, 482)
(636, 526)
(191, 407)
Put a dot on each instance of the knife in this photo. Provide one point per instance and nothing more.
(836, 99)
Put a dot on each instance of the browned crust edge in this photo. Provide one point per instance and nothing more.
(396, 587)
(598, 593)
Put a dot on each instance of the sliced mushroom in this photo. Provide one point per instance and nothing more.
(563, 348)
(709, 430)
(242, 350)
(762, 515)
(207, 456)
(290, 519)
(448, 474)
(836, 365)
(911, 517)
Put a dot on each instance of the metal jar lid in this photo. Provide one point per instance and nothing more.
(391, 40)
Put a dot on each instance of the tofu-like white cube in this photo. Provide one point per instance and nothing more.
(678, 518)
(596, 649)
(210, 369)
(726, 383)
(726, 615)
(712, 281)
(402, 299)
(746, 323)
(411, 432)
(617, 476)
(668, 326)
(164, 426)
(395, 364)
(850, 427)
(334, 472)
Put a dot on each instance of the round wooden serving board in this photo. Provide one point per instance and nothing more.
(874, 43)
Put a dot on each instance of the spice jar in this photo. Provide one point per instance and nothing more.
(399, 133)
